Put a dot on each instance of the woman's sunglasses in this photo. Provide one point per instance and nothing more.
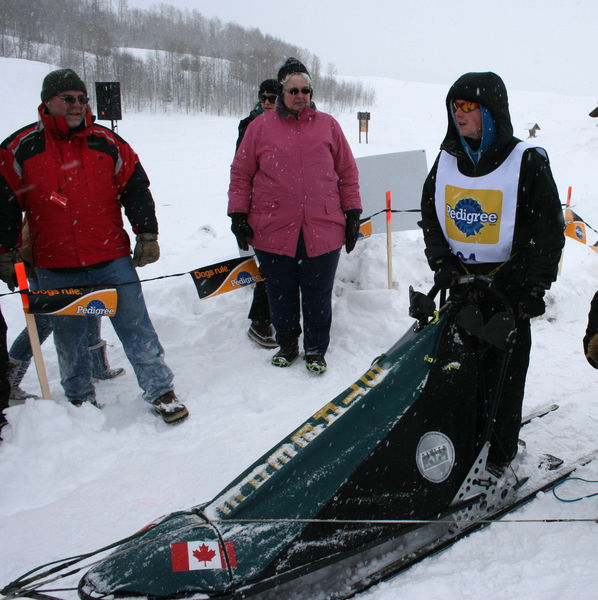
(465, 105)
(270, 99)
(303, 90)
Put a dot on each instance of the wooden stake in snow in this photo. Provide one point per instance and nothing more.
(36, 348)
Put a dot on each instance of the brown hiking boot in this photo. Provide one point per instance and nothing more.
(169, 408)
(262, 334)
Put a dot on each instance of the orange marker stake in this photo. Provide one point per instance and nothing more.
(389, 239)
(563, 250)
(36, 348)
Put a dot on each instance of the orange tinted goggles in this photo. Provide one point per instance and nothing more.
(465, 105)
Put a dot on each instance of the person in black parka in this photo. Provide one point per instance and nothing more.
(260, 330)
(10, 217)
(590, 340)
(490, 206)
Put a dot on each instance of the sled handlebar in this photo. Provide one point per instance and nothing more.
(480, 281)
(473, 280)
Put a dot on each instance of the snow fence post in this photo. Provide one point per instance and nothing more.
(36, 348)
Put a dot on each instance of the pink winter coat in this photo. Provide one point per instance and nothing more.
(291, 174)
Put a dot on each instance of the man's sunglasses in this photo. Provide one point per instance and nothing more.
(303, 90)
(270, 99)
(72, 99)
(465, 105)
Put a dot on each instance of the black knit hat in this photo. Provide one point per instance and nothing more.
(269, 85)
(61, 80)
(292, 65)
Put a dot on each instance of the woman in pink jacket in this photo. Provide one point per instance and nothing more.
(294, 196)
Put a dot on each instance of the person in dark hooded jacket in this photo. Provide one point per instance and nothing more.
(490, 206)
(260, 330)
(590, 340)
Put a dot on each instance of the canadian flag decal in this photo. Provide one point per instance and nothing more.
(195, 556)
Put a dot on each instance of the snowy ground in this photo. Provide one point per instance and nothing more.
(74, 479)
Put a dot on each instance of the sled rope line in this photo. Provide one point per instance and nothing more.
(12, 591)
(384, 210)
(412, 521)
(109, 284)
(393, 210)
(560, 499)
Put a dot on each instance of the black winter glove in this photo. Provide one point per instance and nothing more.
(351, 228)
(7, 269)
(146, 249)
(444, 273)
(240, 227)
(531, 303)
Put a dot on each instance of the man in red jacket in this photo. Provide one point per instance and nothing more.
(71, 177)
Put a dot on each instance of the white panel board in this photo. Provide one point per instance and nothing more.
(403, 173)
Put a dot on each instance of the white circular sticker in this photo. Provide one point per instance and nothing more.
(435, 456)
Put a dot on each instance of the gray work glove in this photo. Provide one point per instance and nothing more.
(146, 249)
(7, 269)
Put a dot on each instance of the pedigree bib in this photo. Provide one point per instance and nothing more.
(477, 214)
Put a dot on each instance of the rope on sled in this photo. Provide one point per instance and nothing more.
(109, 284)
(411, 521)
(578, 498)
(384, 210)
(30, 584)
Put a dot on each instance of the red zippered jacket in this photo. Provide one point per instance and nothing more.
(72, 185)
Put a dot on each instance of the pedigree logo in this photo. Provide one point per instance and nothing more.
(96, 308)
(244, 278)
(473, 216)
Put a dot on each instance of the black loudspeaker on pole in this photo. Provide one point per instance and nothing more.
(108, 101)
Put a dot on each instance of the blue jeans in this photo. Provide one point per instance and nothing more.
(21, 347)
(131, 323)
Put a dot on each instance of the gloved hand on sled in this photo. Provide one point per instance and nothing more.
(351, 228)
(592, 351)
(444, 273)
(7, 269)
(146, 249)
(531, 303)
(240, 227)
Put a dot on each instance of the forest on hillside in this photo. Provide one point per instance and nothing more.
(164, 58)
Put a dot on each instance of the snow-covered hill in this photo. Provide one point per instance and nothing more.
(74, 479)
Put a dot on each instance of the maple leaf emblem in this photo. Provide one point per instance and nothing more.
(204, 554)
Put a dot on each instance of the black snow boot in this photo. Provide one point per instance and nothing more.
(315, 363)
(289, 349)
